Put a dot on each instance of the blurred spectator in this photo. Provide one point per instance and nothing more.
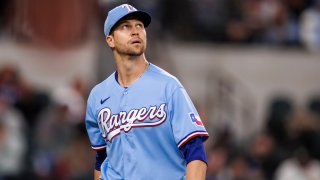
(300, 167)
(177, 19)
(279, 109)
(229, 159)
(20, 94)
(44, 139)
(79, 158)
(217, 160)
(310, 27)
(58, 134)
(264, 155)
(314, 105)
(24, 98)
(73, 98)
(304, 130)
(12, 141)
(31, 102)
(209, 18)
(9, 83)
(242, 28)
(3, 11)
(295, 8)
(54, 136)
(276, 17)
(239, 169)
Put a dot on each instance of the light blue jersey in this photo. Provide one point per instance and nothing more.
(143, 126)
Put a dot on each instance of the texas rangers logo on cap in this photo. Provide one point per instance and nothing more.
(129, 7)
(195, 119)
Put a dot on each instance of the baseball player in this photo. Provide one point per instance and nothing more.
(140, 120)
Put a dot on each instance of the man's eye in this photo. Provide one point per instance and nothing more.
(125, 27)
(139, 26)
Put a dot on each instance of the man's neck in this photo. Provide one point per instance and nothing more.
(130, 69)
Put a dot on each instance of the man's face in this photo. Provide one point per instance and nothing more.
(129, 37)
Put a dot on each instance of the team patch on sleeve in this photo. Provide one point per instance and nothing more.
(195, 119)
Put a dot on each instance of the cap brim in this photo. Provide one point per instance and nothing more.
(140, 15)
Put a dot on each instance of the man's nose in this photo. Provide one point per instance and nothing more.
(134, 31)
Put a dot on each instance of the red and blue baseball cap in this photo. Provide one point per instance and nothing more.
(120, 12)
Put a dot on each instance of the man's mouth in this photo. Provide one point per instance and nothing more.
(136, 41)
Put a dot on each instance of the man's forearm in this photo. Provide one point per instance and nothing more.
(196, 170)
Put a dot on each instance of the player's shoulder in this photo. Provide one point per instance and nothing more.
(161, 75)
(103, 85)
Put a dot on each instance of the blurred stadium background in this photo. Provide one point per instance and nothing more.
(252, 68)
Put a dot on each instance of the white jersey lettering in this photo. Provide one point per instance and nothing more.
(112, 124)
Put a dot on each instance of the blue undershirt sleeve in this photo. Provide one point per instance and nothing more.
(100, 157)
(194, 150)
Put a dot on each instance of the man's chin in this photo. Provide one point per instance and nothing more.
(135, 52)
(132, 52)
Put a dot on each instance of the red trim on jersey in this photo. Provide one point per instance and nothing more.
(98, 148)
(191, 136)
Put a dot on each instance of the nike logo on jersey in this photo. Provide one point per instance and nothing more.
(104, 100)
(113, 124)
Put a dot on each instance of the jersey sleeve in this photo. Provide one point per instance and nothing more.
(185, 121)
(95, 136)
(194, 150)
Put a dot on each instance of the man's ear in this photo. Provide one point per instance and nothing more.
(110, 41)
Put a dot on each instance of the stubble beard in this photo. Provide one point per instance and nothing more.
(132, 51)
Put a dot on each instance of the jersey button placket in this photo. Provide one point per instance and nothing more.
(123, 101)
(123, 135)
(125, 97)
